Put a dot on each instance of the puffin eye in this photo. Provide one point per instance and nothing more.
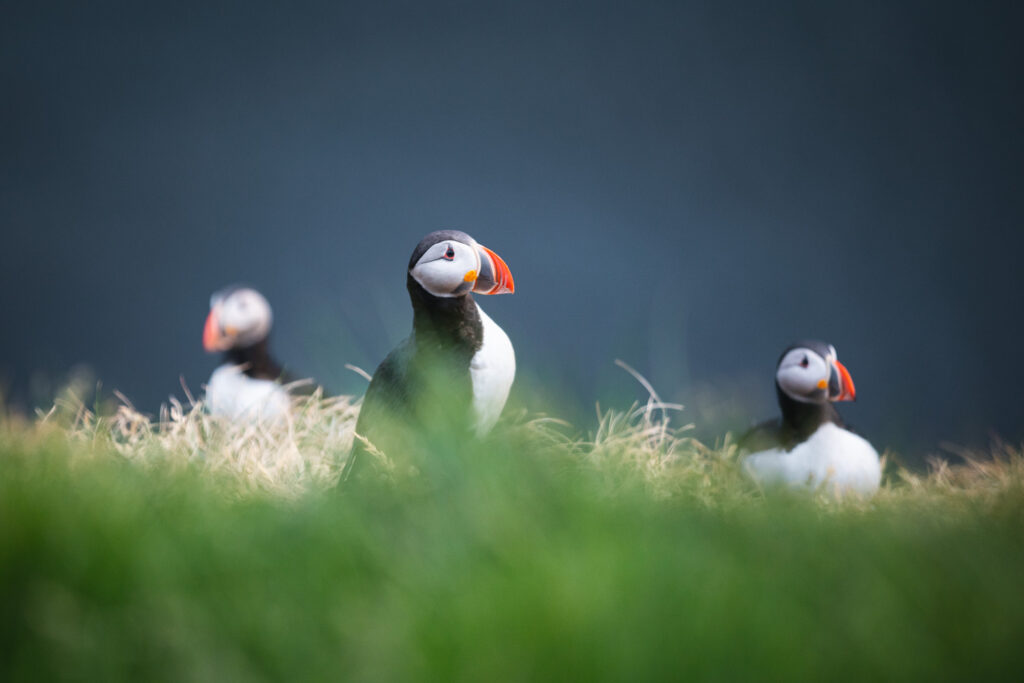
(450, 254)
(804, 363)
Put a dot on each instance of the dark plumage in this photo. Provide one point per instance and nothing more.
(810, 448)
(243, 386)
(428, 371)
(422, 394)
(799, 419)
(257, 363)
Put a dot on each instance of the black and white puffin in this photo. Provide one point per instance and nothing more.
(248, 384)
(810, 445)
(453, 374)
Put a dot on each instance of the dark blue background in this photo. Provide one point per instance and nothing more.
(685, 186)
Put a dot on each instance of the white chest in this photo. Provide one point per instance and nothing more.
(232, 394)
(831, 458)
(492, 369)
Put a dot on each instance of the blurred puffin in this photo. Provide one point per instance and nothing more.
(453, 374)
(248, 384)
(810, 445)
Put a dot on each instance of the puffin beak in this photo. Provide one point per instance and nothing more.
(213, 340)
(494, 276)
(841, 384)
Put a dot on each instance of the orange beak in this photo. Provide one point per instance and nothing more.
(847, 392)
(494, 277)
(212, 337)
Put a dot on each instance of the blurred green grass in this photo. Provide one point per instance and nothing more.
(510, 562)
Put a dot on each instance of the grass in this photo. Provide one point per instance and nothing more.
(189, 550)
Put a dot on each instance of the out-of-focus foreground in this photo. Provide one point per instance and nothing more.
(189, 550)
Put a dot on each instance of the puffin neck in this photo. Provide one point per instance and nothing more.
(803, 419)
(447, 321)
(256, 360)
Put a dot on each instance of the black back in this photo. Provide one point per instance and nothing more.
(799, 419)
(423, 386)
(257, 363)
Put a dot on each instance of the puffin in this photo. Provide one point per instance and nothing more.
(452, 375)
(811, 446)
(248, 384)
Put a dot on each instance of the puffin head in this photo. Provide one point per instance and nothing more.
(450, 263)
(239, 317)
(810, 372)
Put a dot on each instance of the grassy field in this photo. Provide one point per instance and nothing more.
(190, 551)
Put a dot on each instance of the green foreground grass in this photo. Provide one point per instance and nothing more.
(187, 552)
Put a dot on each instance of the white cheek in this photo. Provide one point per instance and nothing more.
(252, 323)
(440, 277)
(443, 276)
(794, 379)
(799, 382)
(240, 320)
